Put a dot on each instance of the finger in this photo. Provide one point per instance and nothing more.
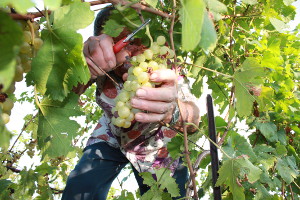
(121, 56)
(96, 53)
(148, 117)
(106, 43)
(94, 70)
(158, 107)
(125, 76)
(167, 76)
(166, 94)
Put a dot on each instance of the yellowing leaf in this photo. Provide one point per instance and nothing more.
(192, 15)
(21, 6)
(52, 4)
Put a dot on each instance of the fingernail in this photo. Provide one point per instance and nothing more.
(111, 64)
(138, 117)
(153, 76)
(140, 92)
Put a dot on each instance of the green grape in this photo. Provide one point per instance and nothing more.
(127, 124)
(37, 44)
(120, 104)
(128, 104)
(124, 112)
(25, 48)
(19, 73)
(113, 110)
(163, 50)
(155, 48)
(140, 58)
(27, 66)
(143, 77)
(27, 36)
(8, 104)
(127, 85)
(143, 66)
(130, 117)
(5, 118)
(131, 78)
(135, 85)
(124, 96)
(130, 70)
(147, 84)
(137, 71)
(148, 54)
(135, 110)
(153, 65)
(119, 122)
(133, 59)
(161, 40)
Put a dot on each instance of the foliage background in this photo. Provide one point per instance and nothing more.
(258, 56)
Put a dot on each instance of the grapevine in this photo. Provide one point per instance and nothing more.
(243, 52)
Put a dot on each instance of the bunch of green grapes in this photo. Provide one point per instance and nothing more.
(143, 64)
(31, 44)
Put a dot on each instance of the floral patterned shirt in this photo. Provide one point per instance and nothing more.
(143, 144)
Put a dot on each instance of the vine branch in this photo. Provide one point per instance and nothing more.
(33, 15)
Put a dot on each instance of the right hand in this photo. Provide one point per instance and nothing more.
(100, 49)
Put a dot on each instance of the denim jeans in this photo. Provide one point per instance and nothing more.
(100, 164)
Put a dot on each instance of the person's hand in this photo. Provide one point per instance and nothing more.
(100, 50)
(160, 102)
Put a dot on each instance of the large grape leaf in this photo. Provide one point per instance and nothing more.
(230, 172)
(10, 40)
(287, 169)
(192, 15)
(60, 65)
(52, 4)
(21, 6)
(208, 34)
(251, 73)
(56, 130)
(167, 182)
(268, 129)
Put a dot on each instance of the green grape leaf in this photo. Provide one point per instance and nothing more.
(112, 28)
(208, 34)
(287, 169)
(59, 64)
(21, 6)
(167, 182)
(251, 2)
(10, 40)
(175, 146)
(192, 15)
(251, 69)
(278, 24)
(4, 184)
(216, 6)
(56, 130)
(52, 4)
(230, 172)
(148, 178)
(269, 130)
(152, 3)
(241, 145)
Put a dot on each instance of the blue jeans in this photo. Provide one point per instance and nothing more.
(100, 164)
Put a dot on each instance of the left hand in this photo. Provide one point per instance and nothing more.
(159, 102)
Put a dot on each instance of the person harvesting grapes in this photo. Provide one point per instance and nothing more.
(140, 97)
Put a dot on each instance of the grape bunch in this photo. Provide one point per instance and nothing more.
(143, 64)
(31, 44)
